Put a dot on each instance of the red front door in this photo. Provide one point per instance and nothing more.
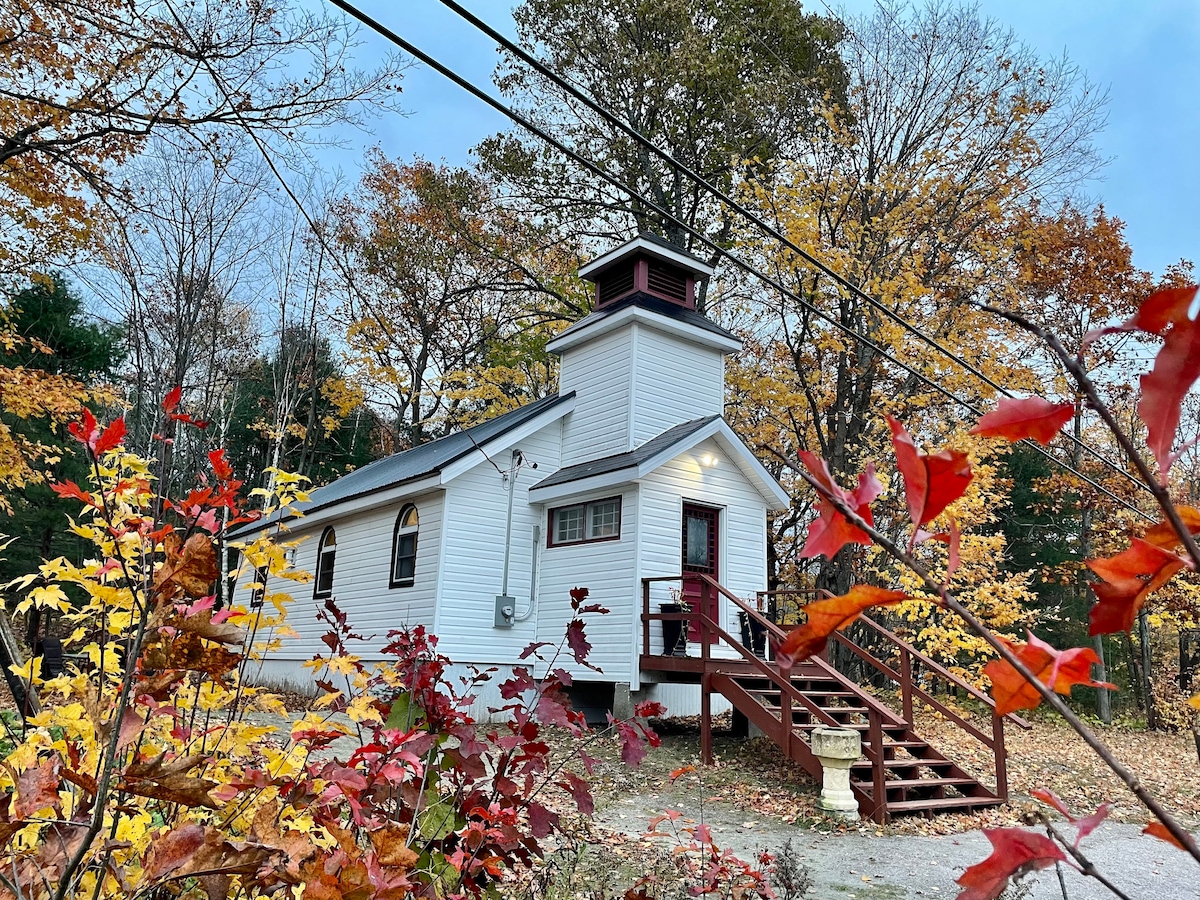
(699, 557)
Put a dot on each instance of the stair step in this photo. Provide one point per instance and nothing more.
(903, 763)
(928, 782)
(946, 803)
(897, 745)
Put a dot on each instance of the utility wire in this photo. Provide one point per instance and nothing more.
(588, 165)
(745, 213)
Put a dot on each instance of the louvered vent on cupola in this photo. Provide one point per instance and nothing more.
(645, 267)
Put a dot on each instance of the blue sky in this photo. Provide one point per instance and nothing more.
(1146, 55)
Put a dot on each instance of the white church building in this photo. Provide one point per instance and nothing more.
(629, 472)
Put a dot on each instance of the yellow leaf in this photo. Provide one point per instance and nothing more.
(1195, 702)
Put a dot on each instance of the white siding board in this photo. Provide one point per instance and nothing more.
(674, 381)
(476, 511)
(600, 373)
(608, 570)
(360, 581)
(743, 549)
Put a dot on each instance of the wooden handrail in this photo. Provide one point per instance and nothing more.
(941, 670)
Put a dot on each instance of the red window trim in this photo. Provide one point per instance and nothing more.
(550, 529)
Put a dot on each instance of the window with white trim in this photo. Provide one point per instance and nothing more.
(597, 520)
(404, 548)
(326, 556)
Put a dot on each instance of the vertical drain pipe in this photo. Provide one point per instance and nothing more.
(506, 606)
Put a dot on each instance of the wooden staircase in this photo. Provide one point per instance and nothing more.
(899, 773)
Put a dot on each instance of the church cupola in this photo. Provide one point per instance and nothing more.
(645, 267)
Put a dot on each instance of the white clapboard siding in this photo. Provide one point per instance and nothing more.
(674, 381)
(360, 583)
(608, 570)
(743, 526)
(476, 511)
(600, 374)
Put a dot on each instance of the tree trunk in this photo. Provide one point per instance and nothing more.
(1135, 672)
(1147, 683)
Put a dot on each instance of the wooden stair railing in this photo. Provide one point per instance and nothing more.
(901, 772)
(909, 686)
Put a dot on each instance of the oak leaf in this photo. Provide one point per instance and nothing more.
(1128, 579)
(830, 615)
(932, 481)
(391, 846)
(831, 531)
(1014, 852)
(186, 650)
(1058, 670)
(1034, 418)
(37, 788)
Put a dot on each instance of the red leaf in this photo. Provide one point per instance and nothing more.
(1058, 670)
(577, 641)
(221, 467)
(84, 432)
(581, 793)
(931, 481)
(541, 820)
(171, 401)
(172, 850)
(827, 616)
(1033, 418)
(71, 489)
(1129, 578)
(952, 539)
(1051, 799)
(831, 531)
(649, 709)
(1159, 830)
(1164, 536)
(112, 437)
(1176, 367)
(1084, 826)
(1014, 852)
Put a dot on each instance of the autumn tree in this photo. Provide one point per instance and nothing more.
(713, 82)
(949, 126)
(57, 340)
(85, 85)
(436, 277)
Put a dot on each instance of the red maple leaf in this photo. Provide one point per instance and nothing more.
(71, 489)
(831, 531)
(171, 401)
(827, 616)
(1014, 852)
(932, 481)
(953, 541)
(221, 467)
(1059, 670)
(1033, 418)
(1129, 578)
(110, 438)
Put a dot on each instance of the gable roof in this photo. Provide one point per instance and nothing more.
(419, 462)
(628, 459)
(656, 452)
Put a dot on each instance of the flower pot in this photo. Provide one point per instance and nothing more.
(754, 635)
(674, 635)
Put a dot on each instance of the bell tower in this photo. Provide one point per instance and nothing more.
(645, 359)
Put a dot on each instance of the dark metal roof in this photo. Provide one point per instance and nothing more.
(630, 459)
(655, 305)
(420, 461)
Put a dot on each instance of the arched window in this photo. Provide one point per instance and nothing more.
(326, 555)
(404, 548)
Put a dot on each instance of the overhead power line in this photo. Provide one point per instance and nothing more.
(590, 166)
(748, 215)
